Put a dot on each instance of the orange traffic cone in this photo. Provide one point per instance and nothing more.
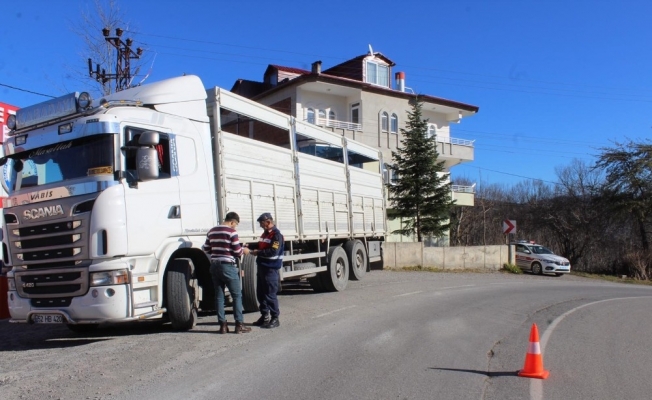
(533, 367)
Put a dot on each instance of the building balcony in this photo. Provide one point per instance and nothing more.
(454, 151)
(463, 195)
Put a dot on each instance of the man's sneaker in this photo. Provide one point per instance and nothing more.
(264, 319)
(241, 328)
(273, 323)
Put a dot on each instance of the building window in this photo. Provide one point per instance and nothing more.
(355, 113)
(331, 115)
(377, 74)
(432, 130)
(384, 121)
(310, 116)
(394, 123)
(322, 117)
(392, 176)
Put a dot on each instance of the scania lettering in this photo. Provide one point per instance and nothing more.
(109, 201)
(43, 212)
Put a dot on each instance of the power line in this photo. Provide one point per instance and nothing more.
(403, 66)
(507, 173)
(25, 90)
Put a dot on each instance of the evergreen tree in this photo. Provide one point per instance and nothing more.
(421, 194)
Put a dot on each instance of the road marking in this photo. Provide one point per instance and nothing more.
(456, 287)
(408, 294)
(334, 311)
(536, 385)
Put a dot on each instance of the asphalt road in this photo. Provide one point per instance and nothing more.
(394, 335)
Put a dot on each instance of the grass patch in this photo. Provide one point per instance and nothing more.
(511, 268)
(611, 278)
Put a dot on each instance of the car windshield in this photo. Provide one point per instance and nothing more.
(541, 250)
(59, 162)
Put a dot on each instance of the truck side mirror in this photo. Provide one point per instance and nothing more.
(147, 164)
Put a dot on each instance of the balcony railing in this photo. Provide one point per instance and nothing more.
(461, 142)
(333, 123)
(463, 189)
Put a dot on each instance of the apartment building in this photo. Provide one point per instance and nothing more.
(359, 100)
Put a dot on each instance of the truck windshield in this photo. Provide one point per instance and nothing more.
(63, 161)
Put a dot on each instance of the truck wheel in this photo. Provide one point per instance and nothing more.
(180, 296)
(358, 260)
(337, 276)
(536, 269)
(249, 301)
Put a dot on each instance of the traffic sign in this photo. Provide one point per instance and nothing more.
(509, 226)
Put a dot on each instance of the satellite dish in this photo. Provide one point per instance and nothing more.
(371, 51)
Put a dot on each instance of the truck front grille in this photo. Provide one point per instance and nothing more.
(52, 302)
(52, 283)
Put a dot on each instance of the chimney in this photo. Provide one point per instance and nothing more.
(400, 81)
(316, 67)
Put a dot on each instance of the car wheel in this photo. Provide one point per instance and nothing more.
(536, 269)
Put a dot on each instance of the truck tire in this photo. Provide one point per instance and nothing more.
(358, 260)
(180, 296)
(337, 275)
(249, 300)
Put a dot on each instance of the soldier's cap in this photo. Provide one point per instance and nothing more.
(265, 217)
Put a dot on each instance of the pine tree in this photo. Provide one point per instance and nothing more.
(421, 194)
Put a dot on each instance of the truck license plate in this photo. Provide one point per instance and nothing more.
(47, 319)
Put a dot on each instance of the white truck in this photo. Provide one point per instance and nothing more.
(109, 202)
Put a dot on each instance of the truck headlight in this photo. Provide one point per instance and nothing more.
(105, 278)
(11, 284)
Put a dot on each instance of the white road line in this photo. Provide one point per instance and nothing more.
(333, 312)
(456, 287)
(536, 385)
(408, 294)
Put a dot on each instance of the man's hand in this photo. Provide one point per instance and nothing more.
(245, 250)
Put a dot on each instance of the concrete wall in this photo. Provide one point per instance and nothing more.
(400, 255)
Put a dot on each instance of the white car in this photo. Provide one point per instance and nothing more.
(540, 260)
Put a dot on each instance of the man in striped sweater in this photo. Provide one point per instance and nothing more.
(223, 246)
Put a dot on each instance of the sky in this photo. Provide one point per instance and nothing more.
(555, 80)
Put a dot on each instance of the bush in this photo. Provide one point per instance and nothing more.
(639, 264)
(512, 269)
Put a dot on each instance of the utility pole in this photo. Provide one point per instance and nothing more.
(122, 75)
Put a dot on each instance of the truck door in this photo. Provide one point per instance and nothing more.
(196, 190)
(153, 207)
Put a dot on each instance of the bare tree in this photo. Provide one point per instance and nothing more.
(103, 14)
